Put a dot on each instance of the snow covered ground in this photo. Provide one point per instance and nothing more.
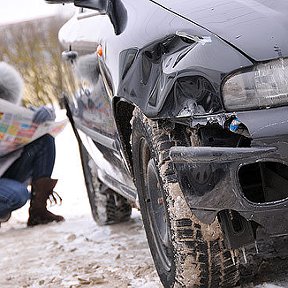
(77, 252)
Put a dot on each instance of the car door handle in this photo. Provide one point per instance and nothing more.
(69, 55)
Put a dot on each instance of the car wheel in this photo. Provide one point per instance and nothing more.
(186, 252)
(107, 206)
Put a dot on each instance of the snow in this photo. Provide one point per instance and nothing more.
(77, 252)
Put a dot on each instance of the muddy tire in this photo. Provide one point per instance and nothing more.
(107, 206)
(186, 252)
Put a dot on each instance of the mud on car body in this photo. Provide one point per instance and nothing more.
(187, 120)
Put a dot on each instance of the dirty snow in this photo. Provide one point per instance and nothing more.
(77, 252)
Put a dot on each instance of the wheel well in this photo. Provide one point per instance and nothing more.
(123, 115)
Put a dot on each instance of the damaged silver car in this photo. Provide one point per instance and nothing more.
(181, 109)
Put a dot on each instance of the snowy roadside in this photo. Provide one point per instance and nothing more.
(77, 252)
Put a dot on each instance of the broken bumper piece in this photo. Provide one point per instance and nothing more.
(216, 154)
(252, 181)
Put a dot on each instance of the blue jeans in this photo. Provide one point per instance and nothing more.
(36, 161)
(13, 195)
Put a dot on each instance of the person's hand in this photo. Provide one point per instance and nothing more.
(43, 114)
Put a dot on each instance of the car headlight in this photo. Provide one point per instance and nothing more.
(262, 86)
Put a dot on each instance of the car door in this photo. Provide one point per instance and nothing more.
(92, 97)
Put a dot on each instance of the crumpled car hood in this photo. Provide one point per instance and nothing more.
(259, 28)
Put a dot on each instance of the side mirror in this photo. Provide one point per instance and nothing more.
(58, 1)
(113, 8)
(100, 5)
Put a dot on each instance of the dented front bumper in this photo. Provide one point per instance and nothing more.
(250, 180)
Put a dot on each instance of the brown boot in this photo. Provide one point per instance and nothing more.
(42, 190)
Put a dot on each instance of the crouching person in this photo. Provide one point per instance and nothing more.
(32, 164)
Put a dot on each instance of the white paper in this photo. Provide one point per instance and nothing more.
(17, 128)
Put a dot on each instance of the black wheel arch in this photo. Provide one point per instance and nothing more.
(123, 112)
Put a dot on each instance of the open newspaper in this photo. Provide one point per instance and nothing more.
(17, 128)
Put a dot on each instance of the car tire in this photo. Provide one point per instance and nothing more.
(107, 206)
(186, 252)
